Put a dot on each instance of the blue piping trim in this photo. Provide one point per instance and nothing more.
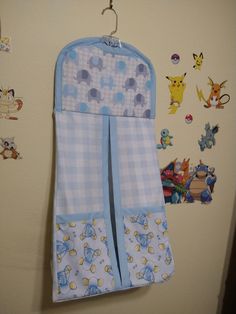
(118, 212)
(107, 216)
(143, 210)
(60, 219)
(54, 255)
(126, 49)
(58, 83)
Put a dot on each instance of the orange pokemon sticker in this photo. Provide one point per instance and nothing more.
(215, 98)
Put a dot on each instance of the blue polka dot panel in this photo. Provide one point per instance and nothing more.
(109, 226)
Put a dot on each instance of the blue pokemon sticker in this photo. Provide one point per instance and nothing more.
(208, 140)
(165, 140)
(185, 183)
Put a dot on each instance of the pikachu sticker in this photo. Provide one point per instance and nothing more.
(176, 88)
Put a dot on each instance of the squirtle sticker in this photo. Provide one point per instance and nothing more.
(165, 140)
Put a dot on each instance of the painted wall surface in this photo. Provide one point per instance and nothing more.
(199, 234)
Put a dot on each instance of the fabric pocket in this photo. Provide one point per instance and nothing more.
(149, 253)
(82, 259)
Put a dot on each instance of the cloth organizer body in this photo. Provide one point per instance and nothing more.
(110, 228)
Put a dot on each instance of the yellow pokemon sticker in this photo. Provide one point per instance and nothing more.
(198, 61)
(176, 88)
(5, 44)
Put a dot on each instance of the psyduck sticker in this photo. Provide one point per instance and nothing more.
(176, 88)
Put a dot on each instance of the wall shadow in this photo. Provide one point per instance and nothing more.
(227, 259)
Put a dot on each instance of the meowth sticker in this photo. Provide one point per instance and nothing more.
(9, 104)
(5, 44)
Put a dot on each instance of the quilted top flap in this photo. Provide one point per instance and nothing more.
(93, 77)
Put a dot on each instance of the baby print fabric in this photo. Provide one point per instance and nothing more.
(110, 229)
(83, 262)
(147, 247)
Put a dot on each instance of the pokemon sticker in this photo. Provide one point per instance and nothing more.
(198, 61)
(166, 139)
(8, 149)
(215, 99)
(5, 44)
(175, 58)
(185, 183)
(188, 118)
(9, 104)
(176, 88)
(208, 140)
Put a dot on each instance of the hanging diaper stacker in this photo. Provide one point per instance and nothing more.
(110, 228)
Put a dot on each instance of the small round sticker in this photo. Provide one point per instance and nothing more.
(188, 118)
(175, 58)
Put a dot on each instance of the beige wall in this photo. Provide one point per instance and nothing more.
(199, 234)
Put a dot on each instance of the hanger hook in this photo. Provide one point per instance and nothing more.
(111, 9)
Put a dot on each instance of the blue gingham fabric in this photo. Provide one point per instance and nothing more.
(109, 226)
(140, 183)
(79, 163)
